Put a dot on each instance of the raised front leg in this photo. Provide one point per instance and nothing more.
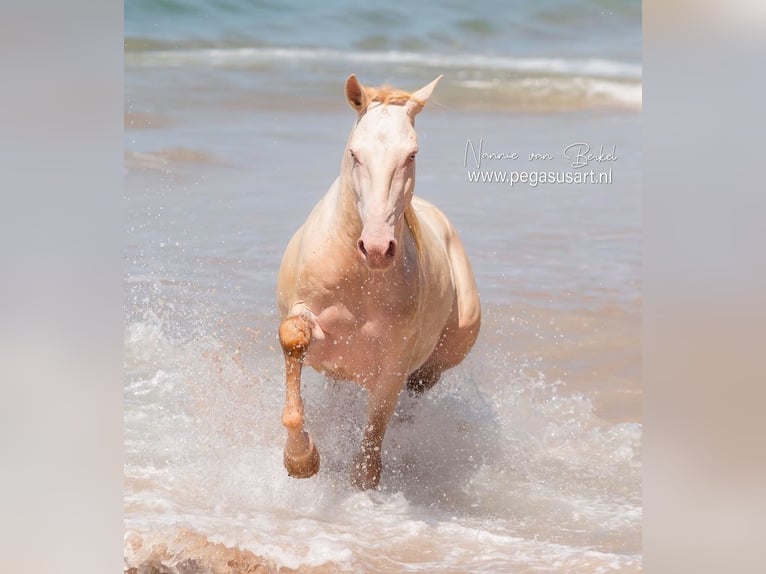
(367, 464)
(301, 457)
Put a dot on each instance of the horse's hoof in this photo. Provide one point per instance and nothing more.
(304, 465)
(365, 470)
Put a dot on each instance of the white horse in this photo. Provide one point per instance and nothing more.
(375, 287)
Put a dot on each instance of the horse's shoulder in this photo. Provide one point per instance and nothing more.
(433, 218)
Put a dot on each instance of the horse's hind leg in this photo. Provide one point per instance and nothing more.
(461, 330)
(301, 457)
(423, 378)
(454, 344)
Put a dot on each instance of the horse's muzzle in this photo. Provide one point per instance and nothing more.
(378, 253)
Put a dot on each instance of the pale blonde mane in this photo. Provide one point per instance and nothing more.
(387, 95)
(413, 224)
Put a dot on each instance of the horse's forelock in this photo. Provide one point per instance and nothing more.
(387, 95)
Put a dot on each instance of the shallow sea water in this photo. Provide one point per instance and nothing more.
(525, 458)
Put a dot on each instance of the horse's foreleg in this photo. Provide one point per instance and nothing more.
(367, 464)
(301, 457)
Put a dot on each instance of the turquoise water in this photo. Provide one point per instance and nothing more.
(527, 55)
(573, 28)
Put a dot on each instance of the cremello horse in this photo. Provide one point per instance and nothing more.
(375, 287)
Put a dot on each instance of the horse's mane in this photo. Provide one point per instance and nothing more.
(387, 95)
(414, 225)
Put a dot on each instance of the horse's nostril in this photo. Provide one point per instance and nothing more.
(391, 249)
(361, 247)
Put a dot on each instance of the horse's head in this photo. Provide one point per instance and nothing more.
(380, 164)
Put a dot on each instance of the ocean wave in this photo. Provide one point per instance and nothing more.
(583, 27)
(560, 92)
(249, 56)
(166, 160)
(489, 82)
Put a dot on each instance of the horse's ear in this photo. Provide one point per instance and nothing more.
(355, 94)
(420, 97)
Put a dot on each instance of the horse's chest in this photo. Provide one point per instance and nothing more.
(364, 324)
(358, 341)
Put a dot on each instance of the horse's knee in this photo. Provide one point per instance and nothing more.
(295, 336)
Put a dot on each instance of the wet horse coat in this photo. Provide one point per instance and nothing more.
(375, 287)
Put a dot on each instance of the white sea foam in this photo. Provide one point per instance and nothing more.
(488, 477)
(543, 83)
(596, 67)
(563, 91)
